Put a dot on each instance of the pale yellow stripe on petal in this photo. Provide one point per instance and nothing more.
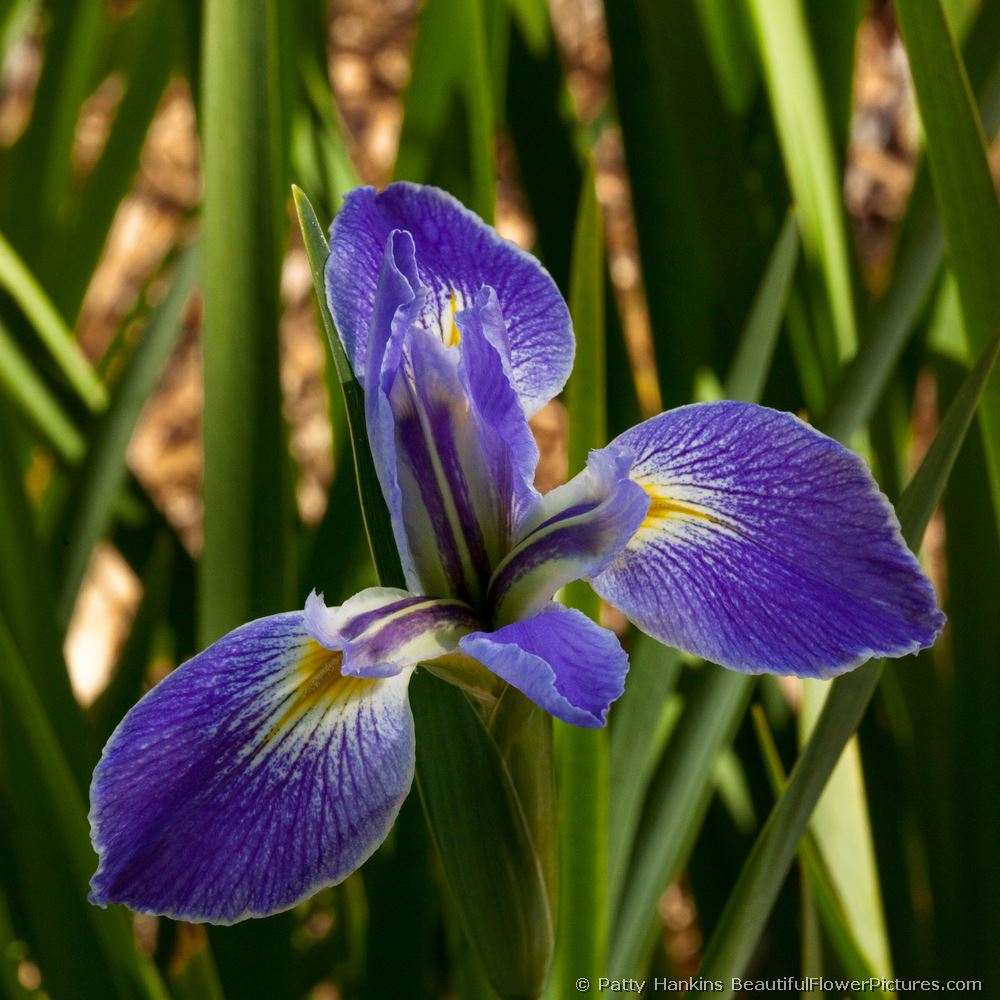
(319, 682)
(663, 507)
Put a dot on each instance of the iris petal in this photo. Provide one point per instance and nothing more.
(381, 631)
(767, 547)
(560, 659)
(250, 777)
(504, 491)
(451, 443)
(574, 532)
(457, 254)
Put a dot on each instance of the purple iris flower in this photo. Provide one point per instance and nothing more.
(275, 762)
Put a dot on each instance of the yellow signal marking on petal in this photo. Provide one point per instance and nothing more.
(663, 508)
(319, 680)
(454, 334)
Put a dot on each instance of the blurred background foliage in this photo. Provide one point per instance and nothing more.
(788, 201)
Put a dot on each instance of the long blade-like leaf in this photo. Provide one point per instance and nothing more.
(804, 129)
(31, 395)
(447, 136)
(752, 360)
(86, 952)
(746, 912)
(247, 566)
(582, 754)
(967, 198)
(50, 327)
(828, 903)
(681, 789)
(104, 470)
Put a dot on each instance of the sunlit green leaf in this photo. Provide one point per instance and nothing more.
(753, 896)
(582, 754)
(16, 279)
(447, 134)
(30, 394)
(824, 891)
(87, 951)
(247, 566)
(803, 123)
(104, 469)
(967, 198)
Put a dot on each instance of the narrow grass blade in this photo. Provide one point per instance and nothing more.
(967, 198)
(756, 890)
(679, 794)
(86, 952)
(804, 129)
(380, 537)
(32, 397)
(699, 243)
(833, 28)
(586, 392)
(247, 564)
(26, 599)
(148, 57)
(752, 360)
(41, 161)
(447, 136)
(842, 833)
(532, 17)
(582, 754)
(16, 279)
(637, 720)
(104, 470)
(728, 38)
(404, 912)
(892, 318)
(246, 558)
(320, 144)
(956, 778)
(824, 893)
(681, 787)
(547, 141)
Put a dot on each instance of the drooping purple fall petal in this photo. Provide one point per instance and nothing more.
(767, 547)
(560, 659)
(253, 775)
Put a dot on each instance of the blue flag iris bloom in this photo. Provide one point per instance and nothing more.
(275, 762)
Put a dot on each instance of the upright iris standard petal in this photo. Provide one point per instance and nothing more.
(560, 659)
(451, 443)
(767, 547)
(250, 777)
(397, 304)
(506, 495)
(457, 254)
(575, 531)
(382, 631)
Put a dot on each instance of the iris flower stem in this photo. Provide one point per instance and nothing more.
(582, 754)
